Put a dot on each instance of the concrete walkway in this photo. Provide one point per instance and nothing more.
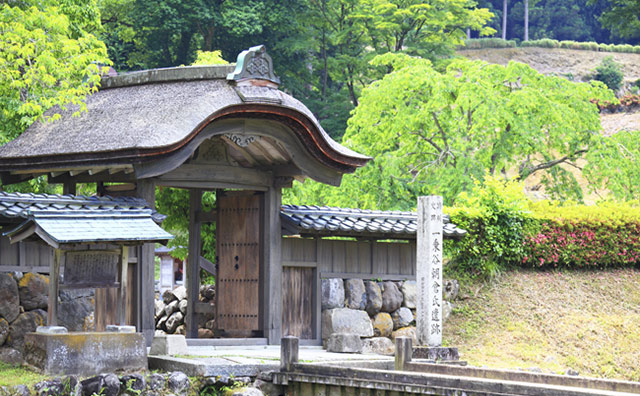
(246, 360)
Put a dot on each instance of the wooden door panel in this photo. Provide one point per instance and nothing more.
(238, 251)
(297, 302)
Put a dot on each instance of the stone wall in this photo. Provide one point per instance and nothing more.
(365, 315)
(171, 309)
(152, 384)
(23, 307)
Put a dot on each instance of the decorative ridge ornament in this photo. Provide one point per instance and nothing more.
(254, 67)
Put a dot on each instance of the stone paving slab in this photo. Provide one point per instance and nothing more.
(246, 360)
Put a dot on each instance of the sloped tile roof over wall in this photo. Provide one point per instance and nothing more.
(330, 221)
(78, 219)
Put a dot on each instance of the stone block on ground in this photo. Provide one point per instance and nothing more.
(450, 289)
(74, 313)
(347, 321)
(355, 294)
(133, 384)
(269, 388)
(447, 308)
(180, 293)
(344, 343)
(11, 356)
(4, 330)
(104, 385)
(378, 345)
(178, 383)
(402, 317)
(172, 307)
(248, 391)
(207, 292)
(436, 353)
(121, 329)
(408, 290)
(382, 325)
(374, 297)
(391, 297)
(205, 333)
(332, 293)
(87, 353)
(156, 381)
(9, 298)
(158, 308)
(34, 291)
(182, 306)
(175, 320)
(406, 332)
(169, 344)
(26, 322)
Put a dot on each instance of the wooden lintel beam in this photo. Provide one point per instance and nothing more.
(207, 217)
(219, 174)
(87, 178)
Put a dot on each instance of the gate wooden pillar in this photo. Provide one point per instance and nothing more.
(192, 272)
(146, 269)
(271, 271)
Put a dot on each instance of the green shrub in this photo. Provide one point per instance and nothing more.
(496, 216)
(543, 43)
(506, 229)
(610, 73)
(491, 42)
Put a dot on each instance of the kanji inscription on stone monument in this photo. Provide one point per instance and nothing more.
(429, 271)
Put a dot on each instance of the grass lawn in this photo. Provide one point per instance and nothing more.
(16, 375)
(555, 320)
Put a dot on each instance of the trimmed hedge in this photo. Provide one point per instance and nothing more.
(506, 229)
(550, 43)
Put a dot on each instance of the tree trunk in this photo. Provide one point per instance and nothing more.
(468, 33)
(504, 19)
(526, 20)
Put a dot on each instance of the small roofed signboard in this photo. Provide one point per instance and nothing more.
(85, 269)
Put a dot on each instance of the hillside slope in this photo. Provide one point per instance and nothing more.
(552, 321)
(559, 61)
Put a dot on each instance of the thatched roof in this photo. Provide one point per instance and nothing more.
(141, 116)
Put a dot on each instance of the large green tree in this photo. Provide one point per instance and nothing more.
(46, 61)
(623, 18)
(435, 133)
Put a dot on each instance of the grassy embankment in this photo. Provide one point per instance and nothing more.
(587, 321)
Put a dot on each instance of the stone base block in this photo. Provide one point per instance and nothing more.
(169, 344)
(436, 353)
(85, 354)
(344, 343)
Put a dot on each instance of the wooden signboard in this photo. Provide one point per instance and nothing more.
(91, 269)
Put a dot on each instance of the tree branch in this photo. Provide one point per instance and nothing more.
(526, 172)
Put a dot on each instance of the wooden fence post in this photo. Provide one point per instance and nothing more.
(288, 352)
(404, 350)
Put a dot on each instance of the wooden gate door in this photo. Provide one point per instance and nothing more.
(298, 302)
(238, 277)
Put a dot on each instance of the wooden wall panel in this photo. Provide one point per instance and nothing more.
(297, 302)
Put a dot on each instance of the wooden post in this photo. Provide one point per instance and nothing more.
(288, 352)
(146, 269)
(54, 277)
(429, 271)
(69, 187)
(193, 263)
(271, 266)
(124, 274)
(404, 351)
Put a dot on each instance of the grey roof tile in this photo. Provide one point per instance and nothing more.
(358, 222)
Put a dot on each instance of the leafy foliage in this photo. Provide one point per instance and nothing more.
(506, 229)
(43, 66)
(610, 73)
(209, 58)
(496, 217)
(435, 133)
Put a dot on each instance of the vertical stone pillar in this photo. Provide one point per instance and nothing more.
(429, 271)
